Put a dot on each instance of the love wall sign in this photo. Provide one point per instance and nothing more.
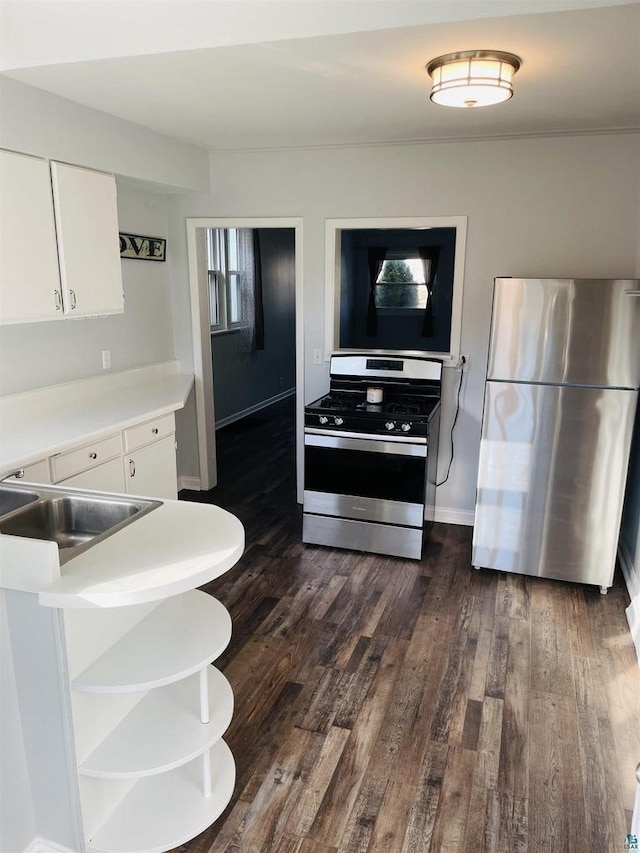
(142, 248)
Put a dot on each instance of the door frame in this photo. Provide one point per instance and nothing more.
(201, 337)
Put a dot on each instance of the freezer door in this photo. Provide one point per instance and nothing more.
(551, 480)
(566, 331)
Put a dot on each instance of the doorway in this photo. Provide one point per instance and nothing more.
(205, 357)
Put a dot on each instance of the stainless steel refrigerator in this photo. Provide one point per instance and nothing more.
(559, 406)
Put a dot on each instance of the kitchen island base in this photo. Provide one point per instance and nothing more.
(123, 714)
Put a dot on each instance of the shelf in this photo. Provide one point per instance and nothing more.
(175, 640)
(164, 730)
(162, 812)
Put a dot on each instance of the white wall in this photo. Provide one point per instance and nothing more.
(630, 538)
(565, 206)
(37, 122)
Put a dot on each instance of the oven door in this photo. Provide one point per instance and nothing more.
(352, 475)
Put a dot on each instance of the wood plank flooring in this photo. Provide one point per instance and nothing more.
(399, 706)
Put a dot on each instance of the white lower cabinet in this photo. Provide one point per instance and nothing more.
(108, 477)
(152, 470)
(149, 713)
(147, 468)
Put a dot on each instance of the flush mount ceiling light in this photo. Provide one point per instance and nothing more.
(473, 78)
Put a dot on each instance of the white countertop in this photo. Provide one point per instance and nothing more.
(37, 424)
(174, 548)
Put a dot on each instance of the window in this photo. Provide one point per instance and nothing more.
(402, 283)
(224, 278)
(395, 284)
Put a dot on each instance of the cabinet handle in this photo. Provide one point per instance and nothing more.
(72, 294)
(93, 456)
(155, 430)
(58, 300)
(132, 468)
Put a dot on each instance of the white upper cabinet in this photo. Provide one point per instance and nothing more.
(59, 235)
(88, 247)
(29, 276)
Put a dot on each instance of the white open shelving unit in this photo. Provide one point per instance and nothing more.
(149, 714)
(117, 646)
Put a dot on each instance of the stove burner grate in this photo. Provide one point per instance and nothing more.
(398, 408)
(338, 401)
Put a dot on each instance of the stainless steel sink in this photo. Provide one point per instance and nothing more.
(12, 499)
(74, 520)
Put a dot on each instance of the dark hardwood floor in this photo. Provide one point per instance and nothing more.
(399, 706)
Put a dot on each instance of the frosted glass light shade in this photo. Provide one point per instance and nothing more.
(472, 78)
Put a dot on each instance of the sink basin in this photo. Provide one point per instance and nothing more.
(10, 499)
(74, 522)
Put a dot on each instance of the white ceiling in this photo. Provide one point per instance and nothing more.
(262, 73)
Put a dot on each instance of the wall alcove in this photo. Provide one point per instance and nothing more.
(396, 284)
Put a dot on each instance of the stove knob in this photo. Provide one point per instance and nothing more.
(324, 419)
(390, 425)
(338, 421)
(405, 427)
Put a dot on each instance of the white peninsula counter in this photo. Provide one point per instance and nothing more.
(122, 714)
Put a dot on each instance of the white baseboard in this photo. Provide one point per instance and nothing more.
(633, 618)
(42, 845)
(632, 580)
(631, 573)
(191, 483)
(448, 515)
(262, 405)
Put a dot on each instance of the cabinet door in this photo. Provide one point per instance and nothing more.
(104, 478)
(88, 243)
(151, 471)
(29, 276)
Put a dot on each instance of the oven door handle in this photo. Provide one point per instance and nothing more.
(396, 438)
(366, 444)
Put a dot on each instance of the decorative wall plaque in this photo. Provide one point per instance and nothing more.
(142, 248)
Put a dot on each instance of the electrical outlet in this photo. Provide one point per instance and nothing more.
(106, 359)
(317, 355)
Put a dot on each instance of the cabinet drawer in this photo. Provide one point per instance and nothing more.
(108, 477)
(37, 472)
(74, 461)
(141, 434)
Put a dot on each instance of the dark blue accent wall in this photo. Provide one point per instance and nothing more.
(243, 380)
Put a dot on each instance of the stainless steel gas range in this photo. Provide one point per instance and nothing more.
(370, 454)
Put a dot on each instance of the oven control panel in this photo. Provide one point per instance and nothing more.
(384, 364)
(369, 425)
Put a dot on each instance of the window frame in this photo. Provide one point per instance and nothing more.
(219, 278)
(401, 310)
(333, 247)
